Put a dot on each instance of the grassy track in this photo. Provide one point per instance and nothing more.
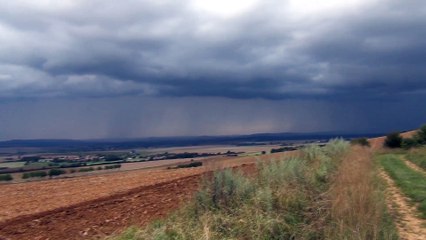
(418, 157)
(411, 182)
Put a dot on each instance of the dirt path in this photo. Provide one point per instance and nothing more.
(413, 166)
(409, 226)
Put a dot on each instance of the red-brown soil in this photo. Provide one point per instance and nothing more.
(35, 197)
(104, 216)
(96, 206)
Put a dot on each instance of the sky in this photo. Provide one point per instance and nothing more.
(139, 68)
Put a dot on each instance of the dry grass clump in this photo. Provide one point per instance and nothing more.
(357, 204)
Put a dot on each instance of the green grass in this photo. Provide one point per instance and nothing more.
(411, 182)
(418, 157)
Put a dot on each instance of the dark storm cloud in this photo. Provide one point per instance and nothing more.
(160, 48)
(379, 50)
(122, 117)
(137, 68)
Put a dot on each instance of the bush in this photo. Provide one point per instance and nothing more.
(283, 149)
(360, 141)
(421, 135)
(6, 177)
(39, 174)
(112, 166)
(393, 140)
(89, 169)
(190, 165)
(227, 189)
(408, 143)
(55, 172)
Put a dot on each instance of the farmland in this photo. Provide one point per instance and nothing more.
(103, 203)
(32, 167)
(355, 196)
(22, 202)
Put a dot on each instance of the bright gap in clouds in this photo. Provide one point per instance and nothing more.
(223, 8)
(303, 8)
(50, 5)
(296, 8)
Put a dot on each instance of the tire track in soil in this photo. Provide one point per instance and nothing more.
(413, 166)
(409, 226)
(102, 217)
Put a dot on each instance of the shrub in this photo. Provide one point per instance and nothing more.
(6, 177)
(393, 140)
(360, 141)
(89, 169)
(421, 135)
(408, 143)
(39, 174)
(227, 189)
(55, 172)
(112, 166)
(190, 165)
(283, 149)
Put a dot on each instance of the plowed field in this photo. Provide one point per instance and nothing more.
(96, 206)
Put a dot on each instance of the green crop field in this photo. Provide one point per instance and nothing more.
(12, 164)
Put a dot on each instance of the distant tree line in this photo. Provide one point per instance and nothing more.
(283, 149)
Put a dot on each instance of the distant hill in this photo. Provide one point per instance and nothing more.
(62, 145)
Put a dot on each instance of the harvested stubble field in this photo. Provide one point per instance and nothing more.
(90, 206)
